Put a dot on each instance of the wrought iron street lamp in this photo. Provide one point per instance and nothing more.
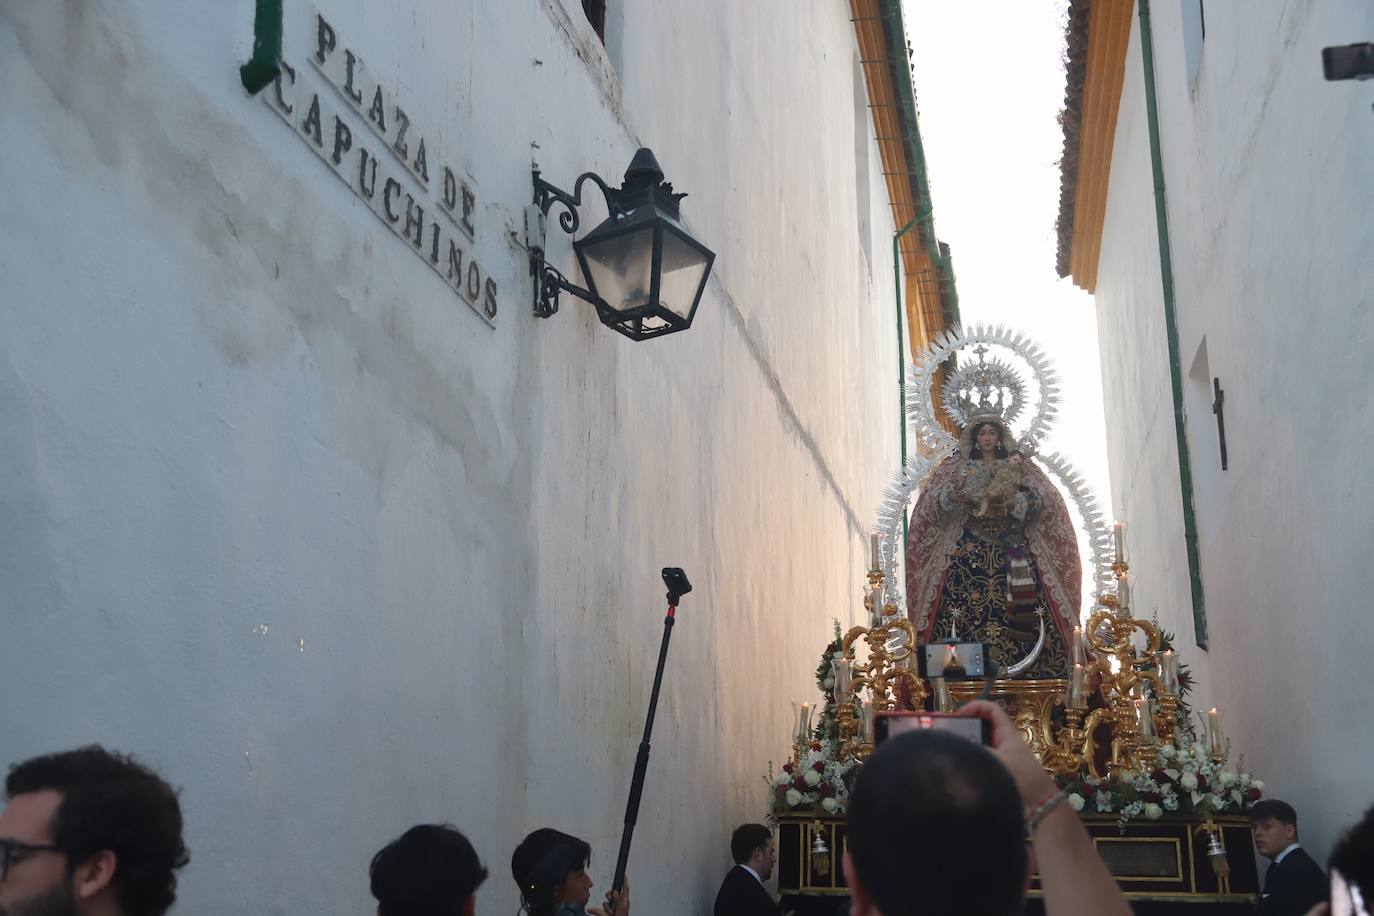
(645, 273)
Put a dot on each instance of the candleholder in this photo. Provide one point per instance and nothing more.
(887, 675)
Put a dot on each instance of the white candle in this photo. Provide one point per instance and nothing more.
(873, 552)
(1168, 672)
(1123, 595)
(1078, 653)
(1145, 714)
(844, 671)
(1075, 698)
(875, 604)
(1119, 537)
(943, 702)
(1215, 745)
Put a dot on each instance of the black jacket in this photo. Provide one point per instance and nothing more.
(741, 894)
(1293, 886)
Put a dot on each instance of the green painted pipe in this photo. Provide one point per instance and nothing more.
(265, 64)
(1166, 270)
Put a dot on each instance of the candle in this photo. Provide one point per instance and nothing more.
(873, 552)
(1168, 672)
(875, 604)
(1144, 711)
(1075, 698)
(844, 672)
(868, 723)
(1215, 745)
(1119, 538)
(1123, 594)
(1078, 653)
(943, 701)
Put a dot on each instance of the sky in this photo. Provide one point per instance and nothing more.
(989, 80)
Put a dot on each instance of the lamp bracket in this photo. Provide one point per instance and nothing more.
(549, 281)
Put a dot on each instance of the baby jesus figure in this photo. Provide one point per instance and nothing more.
(1002, 489)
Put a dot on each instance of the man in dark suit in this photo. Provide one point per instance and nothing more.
(742, 892)
(1294, 883)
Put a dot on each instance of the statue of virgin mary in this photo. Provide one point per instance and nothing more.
(992, 556)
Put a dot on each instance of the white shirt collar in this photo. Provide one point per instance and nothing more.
(760, 880)
(1289, 848)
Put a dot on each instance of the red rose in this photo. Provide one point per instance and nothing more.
(1252, 794)
(825, 790)
(818, 766)
(1160, 776)
(1201, 783)
(788, 768)
(799, 784)
(815, 745)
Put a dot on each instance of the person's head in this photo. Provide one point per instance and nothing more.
(550, 867)
(752, 845)
(987, 440)
(1274, 825)
(1352, 869)
(969, 855)
(430, 870)
(1015, 458)
(88, 831)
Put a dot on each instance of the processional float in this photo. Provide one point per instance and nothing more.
(1100, 702)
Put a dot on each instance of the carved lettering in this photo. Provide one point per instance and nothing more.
(392, 185)
(378, 111)
(450, 190)
(490, 307)
(421, 166)
(286, 70)
(355, 94)
(312, 121)
(367, 183)
(402, 126)
(434, 243)
(455, 263)
(469, 203)
(415, 219)
(343, 140)
(474, 280)
(325, 39)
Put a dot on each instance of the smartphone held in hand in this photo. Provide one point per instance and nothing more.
(887, 724)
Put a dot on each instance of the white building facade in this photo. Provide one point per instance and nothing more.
(339, 536)
(1269, 195)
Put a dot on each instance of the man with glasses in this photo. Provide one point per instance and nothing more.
(88, 833)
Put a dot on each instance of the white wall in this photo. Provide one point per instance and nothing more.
(1270, 190)
(279, 513)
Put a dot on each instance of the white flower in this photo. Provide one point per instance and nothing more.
(1197, 798)
(1228, 779)
(1258, 784)
(1075, 801)
(828, 683)
(1104, 801)
(1153, 811)
(1171, 803)
(1167, 751)
(1245, 779)
(830, 805)
(1171, 773)
(793, 798)
(811, 777)
(1237, 797)
(1188, 780)
(784, 778)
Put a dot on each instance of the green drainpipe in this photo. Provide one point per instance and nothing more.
(265, 65)
(1166, 270)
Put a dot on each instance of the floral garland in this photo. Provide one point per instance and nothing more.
(820, 779)
(1182, 779)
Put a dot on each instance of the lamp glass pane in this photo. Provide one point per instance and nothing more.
(621, 268)
(683, 266)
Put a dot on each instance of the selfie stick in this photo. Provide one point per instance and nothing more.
(677, 583)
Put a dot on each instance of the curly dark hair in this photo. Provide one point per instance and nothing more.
(112, 802)
(1353, 856)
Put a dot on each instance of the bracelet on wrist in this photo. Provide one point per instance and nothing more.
(1044, 808)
